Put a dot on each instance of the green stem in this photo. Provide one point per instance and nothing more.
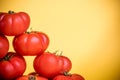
(7, 58)
(27, 32)
(31, 78)
(11, 12)
(67, 74)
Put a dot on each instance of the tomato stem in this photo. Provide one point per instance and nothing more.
(58, 53)
(11, 12)
(27, 32)
(7, 58)
(31, 78)
(55, 52)
(31, 29)
(66, 73)
(61, 53)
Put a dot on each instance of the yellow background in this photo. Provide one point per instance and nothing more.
(87, 31)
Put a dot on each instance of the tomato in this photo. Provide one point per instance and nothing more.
(69, 77)
(62, 77)
(75, 76)
(67, 64)
(12, 23)
(31, 43)
(50, 65)
(47, 65)
(4, 45)
(31, 77)
(12, 66)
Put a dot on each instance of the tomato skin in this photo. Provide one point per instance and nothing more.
(12, 24)
(67, 64)
(4, 45)
(75, 76)
(30, 44)
(69, 77)
(48, 65)
(12, 66)
(31, 77)
(62, 77)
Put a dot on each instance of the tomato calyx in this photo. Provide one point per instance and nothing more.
(27, 32)
(11, 12)
(58, 53)
(67, 74)
(31, 77)
(8, 56)
(30, 31)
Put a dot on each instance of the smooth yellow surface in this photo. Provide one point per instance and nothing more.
(87, 31)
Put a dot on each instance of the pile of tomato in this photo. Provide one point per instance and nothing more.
(47, 65)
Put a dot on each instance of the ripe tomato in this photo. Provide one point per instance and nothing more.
(57, 64)
(12, 24)
(4, 46)
(31, 77)
(62, 77)
(69, 77)
(47, 65)
(30, 44)
(77, 77)
(12, 66)
(67, 64)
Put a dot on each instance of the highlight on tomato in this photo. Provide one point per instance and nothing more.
(49, 64)
(31, 43)
(14, 23)
(12, 66)
(4, 45)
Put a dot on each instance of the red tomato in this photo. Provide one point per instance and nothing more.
(12, 66)
(30, 44)
(4, 46)
(77, 77)
(57, 64)
(48, 65)
(69, 77)
(31, 77)
(62, 77)
(12, 24)
(67, 64)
